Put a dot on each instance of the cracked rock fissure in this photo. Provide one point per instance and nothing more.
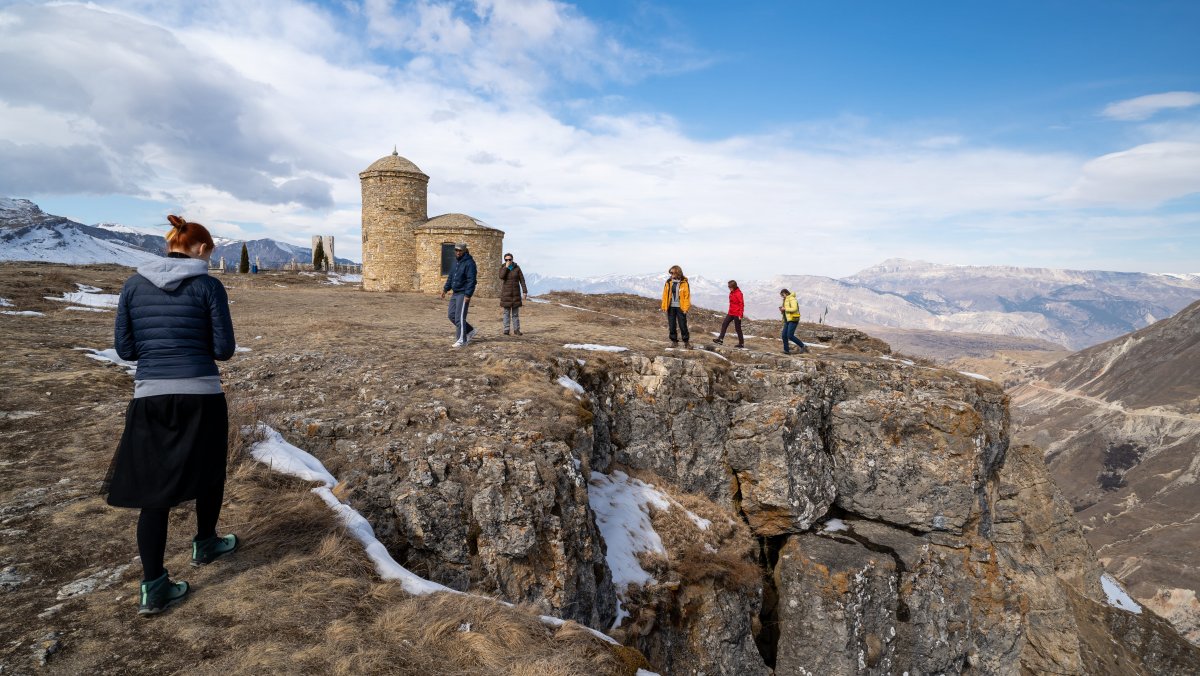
(766, 638)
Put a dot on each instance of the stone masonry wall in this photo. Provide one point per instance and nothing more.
(393, 205)
(486, 246)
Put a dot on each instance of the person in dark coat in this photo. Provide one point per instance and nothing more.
(737, 309)
(173, 320)
(512, 289)
(461, 281)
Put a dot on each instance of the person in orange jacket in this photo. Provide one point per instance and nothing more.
(737, 310)
(676, 301)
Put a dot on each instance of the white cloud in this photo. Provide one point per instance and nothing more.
(266, 113)
(1144, 175)
(1143, 107)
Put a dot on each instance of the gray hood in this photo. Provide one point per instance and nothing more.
(168, 273)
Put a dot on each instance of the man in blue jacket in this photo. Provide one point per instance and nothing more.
(461, 281)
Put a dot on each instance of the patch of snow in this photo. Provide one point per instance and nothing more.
(88, 309)
(22, 313)
(906, 362)
(621, 505)
(976, 376)
(835, 525)
(89, 296)
(622, 515)
(239, 348)
(621, 614)
(595, 348)
(701, 522)
(275, 452)
(543, 301)
(570, 384)
(1117, 596)
(110, 355)
(819, 346)
(4, 302)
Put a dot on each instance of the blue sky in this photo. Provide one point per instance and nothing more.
(737, 139)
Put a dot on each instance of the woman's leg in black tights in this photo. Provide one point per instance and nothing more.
(208, 509)
(152, 540)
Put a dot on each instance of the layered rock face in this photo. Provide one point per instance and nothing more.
(864, 515)
(951, 552)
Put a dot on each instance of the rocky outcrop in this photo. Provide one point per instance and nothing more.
(465, 495)
(954, 553)
(886, 522)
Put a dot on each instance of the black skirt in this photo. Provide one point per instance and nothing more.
(174, 449)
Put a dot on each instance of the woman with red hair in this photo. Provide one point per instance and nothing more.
(173, 320)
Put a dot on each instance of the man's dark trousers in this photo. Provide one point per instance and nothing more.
(458, 315)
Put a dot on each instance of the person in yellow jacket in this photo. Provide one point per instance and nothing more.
(676, 300)
(790, 309)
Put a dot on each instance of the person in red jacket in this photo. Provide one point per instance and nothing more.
(737, 310)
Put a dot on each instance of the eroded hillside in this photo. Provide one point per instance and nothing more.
(1121, 425)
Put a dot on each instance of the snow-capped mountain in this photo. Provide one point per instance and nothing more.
(1068, 307)
(1086, 306)
(29, 234)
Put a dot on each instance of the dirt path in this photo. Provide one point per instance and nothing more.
(1110, 406)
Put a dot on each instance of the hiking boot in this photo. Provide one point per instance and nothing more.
(718, 341)
(803, 350)
(741, 346)
(687, 345)
(159, 594)
(467, 340)
(210, 549)
(506, 332)
(517, 332)
(674, 344)
(458, 343)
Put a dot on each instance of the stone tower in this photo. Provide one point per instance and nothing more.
(394, 205)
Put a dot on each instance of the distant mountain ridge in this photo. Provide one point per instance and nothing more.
(29, 234)
(1067, 307)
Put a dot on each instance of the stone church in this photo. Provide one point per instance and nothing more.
(404, 249)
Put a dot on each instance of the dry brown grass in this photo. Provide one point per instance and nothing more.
(723, 553)
(300, 596)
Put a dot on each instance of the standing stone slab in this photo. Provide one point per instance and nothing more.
(784, 475)
(837, 608)
(908, 459)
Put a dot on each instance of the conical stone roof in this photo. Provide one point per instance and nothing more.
(394, 162)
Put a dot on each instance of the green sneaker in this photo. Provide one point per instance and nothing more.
(206, 551)
(160, 594)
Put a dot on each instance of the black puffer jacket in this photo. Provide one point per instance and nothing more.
(173, 320)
